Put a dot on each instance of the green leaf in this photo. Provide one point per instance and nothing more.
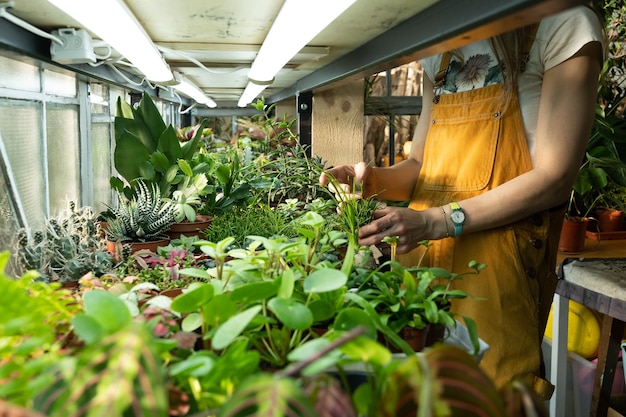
(322, 310)
(287, 284)
(254, 291)
(130, 153)
(107, 309)
(197, 365)
(185, 167)
(195, 272)
(351, 317)
(168, 144)
(88, 329)
(192, 300)
(191, 322)
(233, 327)
(324, 280)
(150, 116)
(219, 309)
(291, 313)
(159, 161)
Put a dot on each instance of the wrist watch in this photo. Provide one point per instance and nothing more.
(458, 218)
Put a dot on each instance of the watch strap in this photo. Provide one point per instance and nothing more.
(458, 227)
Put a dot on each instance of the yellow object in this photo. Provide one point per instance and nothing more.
(583, 330)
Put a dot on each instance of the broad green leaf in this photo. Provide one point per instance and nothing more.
(191, 322)
(322, 310)
(168, 144)
(350, 318)
(194, 272)
(287, 284)
(197, 365)
(88, 329)
(254, 291)
(324, 280)
(107, 309)
(150, 115)
(219, 309)
(291, 313)
(130, 153)
(233, 327)
(192, 300)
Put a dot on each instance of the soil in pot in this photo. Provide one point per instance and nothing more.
(573, 234)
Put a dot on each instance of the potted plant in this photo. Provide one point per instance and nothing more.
(602, 160)
(187, 199)
(611, 207)
(66, 247)
(146, 148)
(140, 221)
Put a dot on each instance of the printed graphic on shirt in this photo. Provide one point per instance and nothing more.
(479, 71)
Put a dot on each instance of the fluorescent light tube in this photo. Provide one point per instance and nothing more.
(113, 22)
(297, 23)
(252, 90)
(192, 91)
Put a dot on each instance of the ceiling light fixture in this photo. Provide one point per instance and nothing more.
(113, 22)
(297, 23)
(253, 89)
(191, 90)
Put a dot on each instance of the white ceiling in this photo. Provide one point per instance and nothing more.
(225, 35)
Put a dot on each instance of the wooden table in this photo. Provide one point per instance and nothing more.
(605, 295)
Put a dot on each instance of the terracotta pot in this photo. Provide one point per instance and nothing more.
(190, 228)
(573, 234)
(610, 220)
(415, 338)
(152, 246)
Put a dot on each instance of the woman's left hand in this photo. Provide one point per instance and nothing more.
(409, 225)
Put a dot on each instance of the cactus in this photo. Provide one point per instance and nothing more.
(66, 247)
(144, 217)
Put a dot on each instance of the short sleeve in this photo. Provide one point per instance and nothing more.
(560, 36)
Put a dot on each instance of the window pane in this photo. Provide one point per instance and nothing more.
(20, 128)
(101, 159)
(63, 155)
(19, 75)
(60, 84)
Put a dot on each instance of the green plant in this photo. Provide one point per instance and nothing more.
(396, 297)
(35, 333)
(187, 197)
(66, 247)
(146, 148)
(602, 164)
(143, 217)
(118, 372)
(241, 222)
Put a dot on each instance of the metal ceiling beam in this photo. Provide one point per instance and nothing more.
(445, 25)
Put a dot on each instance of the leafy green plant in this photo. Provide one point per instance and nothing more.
(146, 148)
(187, 198)
(396, 297)
(241, 222)
(66, 247)
(35, 333)
(143, 217)
(117, 373)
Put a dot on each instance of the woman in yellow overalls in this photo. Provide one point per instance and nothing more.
(487, 178)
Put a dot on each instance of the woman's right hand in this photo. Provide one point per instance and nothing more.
(346, 175)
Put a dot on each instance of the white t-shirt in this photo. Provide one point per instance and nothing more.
(558, 38)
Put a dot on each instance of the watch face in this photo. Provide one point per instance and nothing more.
(457, 216)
